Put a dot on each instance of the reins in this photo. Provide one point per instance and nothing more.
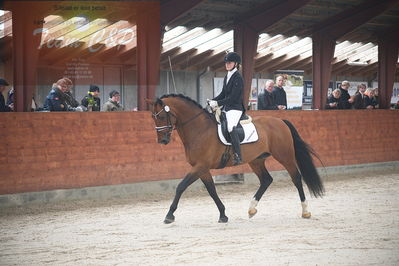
(188, 121)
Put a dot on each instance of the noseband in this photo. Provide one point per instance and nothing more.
(169, 127)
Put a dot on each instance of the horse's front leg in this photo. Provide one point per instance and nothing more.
(187, 181)
(210, 186)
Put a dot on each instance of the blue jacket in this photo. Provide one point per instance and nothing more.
(55, 101)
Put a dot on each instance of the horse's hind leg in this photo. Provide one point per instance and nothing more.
(210, 186)
(258, 166)
(187, 181)
(296, 178)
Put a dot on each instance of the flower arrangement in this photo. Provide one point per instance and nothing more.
(91, 101)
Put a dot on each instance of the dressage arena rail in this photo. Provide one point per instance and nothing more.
(49, 151)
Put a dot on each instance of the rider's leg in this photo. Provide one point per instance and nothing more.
(233, 117)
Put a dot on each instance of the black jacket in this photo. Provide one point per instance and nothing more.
(361, 101)
(3, 106)
(232, 93)
(332, 99)
(70, 100)
(344, 99)
(266, 101)
(280, 97)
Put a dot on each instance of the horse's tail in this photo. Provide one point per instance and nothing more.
(303, 155)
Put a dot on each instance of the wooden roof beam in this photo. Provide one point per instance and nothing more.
(270, 14)
(173, 9)
(348, 20)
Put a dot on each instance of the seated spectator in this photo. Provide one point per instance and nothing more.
(3, 106)
(266, 99)
(56, 99)
(71, 101)
(113, 103)
(333, 100)
(345, 99)
(91, 101)
(362, 101)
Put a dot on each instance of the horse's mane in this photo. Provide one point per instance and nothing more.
(186, 98)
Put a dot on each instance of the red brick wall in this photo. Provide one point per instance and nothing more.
(45, 151)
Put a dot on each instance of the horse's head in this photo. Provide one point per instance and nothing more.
(164, 120)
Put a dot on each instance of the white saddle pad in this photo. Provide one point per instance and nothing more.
(251, 135)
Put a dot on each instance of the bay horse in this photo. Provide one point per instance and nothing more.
(197, 129)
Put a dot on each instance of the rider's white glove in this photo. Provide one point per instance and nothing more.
(213, 104)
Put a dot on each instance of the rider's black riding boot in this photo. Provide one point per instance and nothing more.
(235, 141)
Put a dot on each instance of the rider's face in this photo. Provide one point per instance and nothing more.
(230, 65)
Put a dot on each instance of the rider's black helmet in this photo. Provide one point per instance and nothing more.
(232, 57)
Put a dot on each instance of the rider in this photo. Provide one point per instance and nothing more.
(231, 98)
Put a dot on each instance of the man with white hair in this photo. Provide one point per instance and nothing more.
(266, 99)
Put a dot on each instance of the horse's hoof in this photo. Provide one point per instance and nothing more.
(223, 219)
(252, 212)
(169, 220)
(306, 215)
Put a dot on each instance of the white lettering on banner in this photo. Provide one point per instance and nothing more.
(110, 40)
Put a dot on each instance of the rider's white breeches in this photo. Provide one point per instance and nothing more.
(233, 117)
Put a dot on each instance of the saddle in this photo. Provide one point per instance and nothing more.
(246, 129)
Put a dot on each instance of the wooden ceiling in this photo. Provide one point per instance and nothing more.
(199, 38)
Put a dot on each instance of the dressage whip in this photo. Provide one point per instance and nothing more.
(171, 71)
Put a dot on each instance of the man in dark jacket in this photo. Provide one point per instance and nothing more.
(280, 97)
(345, 100)
(3, 106)
(266, 99)
(91, 101)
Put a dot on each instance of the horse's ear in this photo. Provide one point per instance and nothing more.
(149, 101)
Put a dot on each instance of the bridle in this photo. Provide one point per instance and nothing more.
(170, 127)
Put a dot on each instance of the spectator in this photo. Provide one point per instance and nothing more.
(10, 97)
(3, 106)
(71, 101)
(279, 95)
(333, 101)
(266, 99)
(56, 99)
(362, 101)
(370, 99)
(113, 103)
(10, 100)
(345, 99)
(374, 99)
(91, 101)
